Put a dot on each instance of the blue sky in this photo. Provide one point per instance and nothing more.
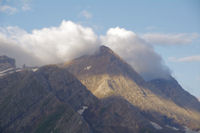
(161, 20)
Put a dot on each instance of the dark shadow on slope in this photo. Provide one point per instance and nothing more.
(170, 89)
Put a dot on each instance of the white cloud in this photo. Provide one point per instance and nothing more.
(170, 39)
(26, 5)
(195, 58)
(8, 9)
(71, 40)
(49, 45)
(137, 52)
(86, 14)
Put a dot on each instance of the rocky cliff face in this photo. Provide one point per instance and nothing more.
(105, 74)
(6, 62)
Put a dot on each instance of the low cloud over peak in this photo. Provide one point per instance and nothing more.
(70, 40)
(136, 52)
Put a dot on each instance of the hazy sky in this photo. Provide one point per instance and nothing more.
(171, 27)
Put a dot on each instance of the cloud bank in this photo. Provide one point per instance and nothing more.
(170, 39)
(195, 58)
(136, 52)
(70, 40)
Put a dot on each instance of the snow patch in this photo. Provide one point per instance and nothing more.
(174, 128)
(4, 71)
(18, 70)
(88, 68)
(7, 71)
(80, 111)
(155, 125)
(34, 69)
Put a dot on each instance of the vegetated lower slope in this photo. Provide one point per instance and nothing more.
(43, 101)
(105, 74)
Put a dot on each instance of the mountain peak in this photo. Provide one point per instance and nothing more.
(104, 61)
(105, 50)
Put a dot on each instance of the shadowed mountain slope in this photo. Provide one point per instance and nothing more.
(43, 101)
(170, 89)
